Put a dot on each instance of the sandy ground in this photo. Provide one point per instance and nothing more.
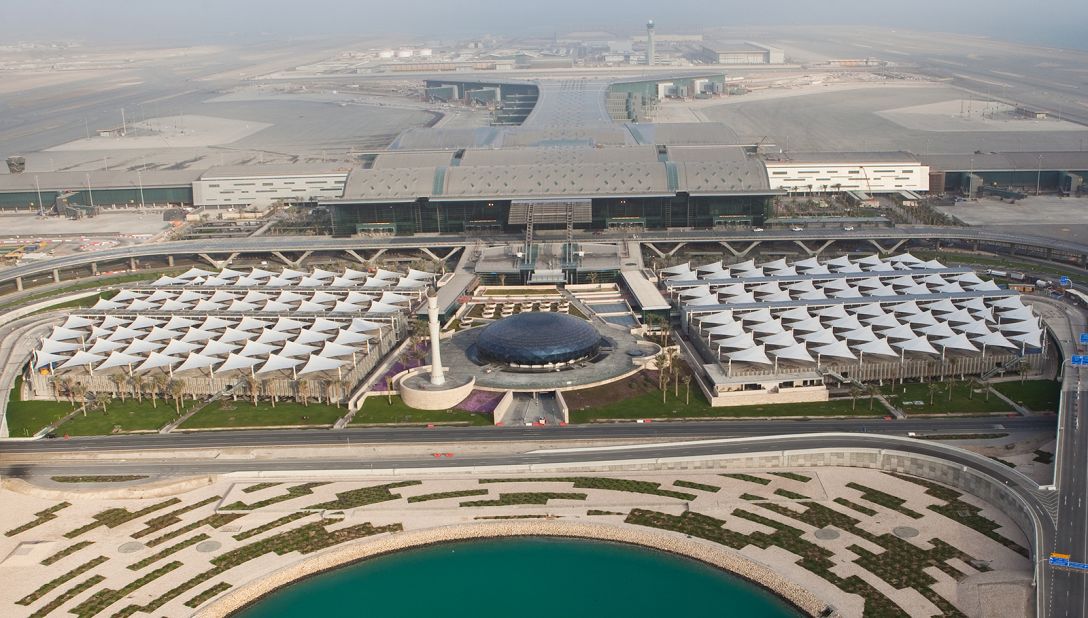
(125, 544)
(183, 131)
(971, 115)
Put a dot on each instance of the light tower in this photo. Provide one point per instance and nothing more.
(650, 43)
(438, 377)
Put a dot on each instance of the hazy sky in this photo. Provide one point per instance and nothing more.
(1054, 22)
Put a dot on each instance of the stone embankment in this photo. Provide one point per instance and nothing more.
(714, 555)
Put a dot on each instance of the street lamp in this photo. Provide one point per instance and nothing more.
(1039, 175)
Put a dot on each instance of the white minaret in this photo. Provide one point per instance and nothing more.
(650, 43)
(437, 373)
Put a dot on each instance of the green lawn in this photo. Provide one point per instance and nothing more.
(377, 409)
(243, 413)
(1003, 263)
(130, 415)
(26, 418)
(649, 405)
(961, 402)
(1037, 395)
(81, 284)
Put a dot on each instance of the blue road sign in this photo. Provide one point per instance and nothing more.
(1064, 281)
(1084, 338)
(1067, 563)
(1078, 360)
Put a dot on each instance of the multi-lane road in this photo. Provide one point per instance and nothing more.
(267, 244)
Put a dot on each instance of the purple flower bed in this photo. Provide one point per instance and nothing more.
(402, 364)
(480, 401)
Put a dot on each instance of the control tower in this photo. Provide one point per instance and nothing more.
(650, 43)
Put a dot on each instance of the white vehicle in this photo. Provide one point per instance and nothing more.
(797, 228)
(757, 229)
(848, 228)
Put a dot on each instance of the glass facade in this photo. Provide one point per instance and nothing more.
(538, 338)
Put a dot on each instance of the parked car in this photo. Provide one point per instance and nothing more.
(848, 228)
(757, 229)
(797, 228)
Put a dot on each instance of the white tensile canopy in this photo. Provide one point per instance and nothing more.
(726, 330)
(882, 267)
(188, 296)
(342, 282)
(359, 325)
(978, 327)
(290, 273)
(325, 324)
(783, 339)
(807, 263)
(196, 361)
(177, 322)
(833, 312)
(296, 349)
(767, 328)
(156, 360)
(158, 334)
(317, 364)
(178, 347)
(207, 305)
(272, 336)
(274, 306)
(222, 296)
(868, 309)
(140, 346)
(744, 340)
(757, 354)
(287, 324)
(53, 346)
(76, 321)
(289, 297)
(956, 342)
(903, 331)
(253, 348)
(253, 296)
(122, 333)
(276, 362)
(922, 319)
(749, 274)
(331, 350)
(44, 359)
(1016, 315)
(826, 336)
(992, 340)
(106, 305)
(193, 273)
(985, 286)
(385, 274)
(942, 306)
(721, 317)
(886, 320)
(699, 291)
(838, 349)
(345, 337)
(1025, 326)
(100, 346)
(80, 359)
(174, 305)
(419, 275)
(849, 322)
(861, 334)
(377, 308)
(941, 329)
(809, 325)
(778, 264)
(759, 315)
(248, 323)
(909, 307)
(343, 307)
(1033, 338)
(796, 352)
(879, 347)
(351, 273)
(211, 322)
(119, 359)
(124, 295)
(236, 361)
(230, 335)
(679, 269)
(195, 335)
(60, 333)
(312, 336)
(805, 285)
(918, 344)
(813, 295)
(218, 348)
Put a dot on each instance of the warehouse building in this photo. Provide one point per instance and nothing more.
(744, 52)
(868, 172)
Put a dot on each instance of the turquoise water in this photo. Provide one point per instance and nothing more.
(524, 578)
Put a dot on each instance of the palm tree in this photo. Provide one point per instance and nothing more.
(63, 386)
(933, 388)
(324, 386)
(252, 388)
(302, 391)
(177, 390)
(158, 386)
(266, 386)
(687, 388)
(951, 386)
(137, 382)
(855, 390)
(119, 381)
(79, 393)
(872, 391)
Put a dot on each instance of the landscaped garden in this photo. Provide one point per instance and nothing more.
(26, 418)
(1035, 395)
(944, 398)
(226, 413)
(120, 416)
(639, 397)
(380, 409)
